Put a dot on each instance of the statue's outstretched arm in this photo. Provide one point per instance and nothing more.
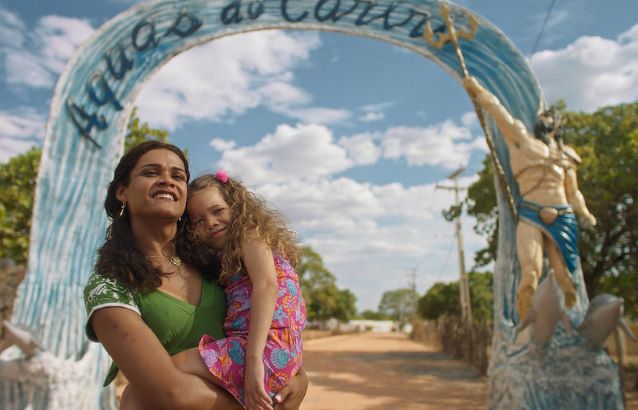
(513, 130)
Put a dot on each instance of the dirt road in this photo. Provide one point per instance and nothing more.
(375, 371)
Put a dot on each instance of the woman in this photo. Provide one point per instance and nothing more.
(144, 302)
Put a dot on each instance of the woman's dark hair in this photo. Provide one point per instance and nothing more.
(120, 257)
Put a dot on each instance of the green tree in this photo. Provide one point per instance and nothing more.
(17, 187)
(346, 305)
(607, 141)
(481, 204)
(481, 296)
(323, 299)
(139, 131)
(372, 315)
(442, 299)
(399, 305)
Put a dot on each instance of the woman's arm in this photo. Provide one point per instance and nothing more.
(155, 381)
(258, 259)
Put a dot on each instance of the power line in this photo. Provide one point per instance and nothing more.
(540, 34)
(447, 258)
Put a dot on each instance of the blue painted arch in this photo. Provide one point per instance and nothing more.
(94, 97)
(95, 94)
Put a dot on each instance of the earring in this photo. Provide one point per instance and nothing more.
(122, 208)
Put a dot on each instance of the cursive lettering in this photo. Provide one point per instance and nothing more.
(119, 61)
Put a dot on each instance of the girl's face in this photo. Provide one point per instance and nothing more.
(157, 187)
(210, 216)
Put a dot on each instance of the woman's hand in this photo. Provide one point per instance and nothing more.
(254, 392)
(291, 396)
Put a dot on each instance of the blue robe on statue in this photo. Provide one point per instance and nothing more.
(563, 230)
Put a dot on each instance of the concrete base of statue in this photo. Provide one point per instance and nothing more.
(563, 373)
(45, 381)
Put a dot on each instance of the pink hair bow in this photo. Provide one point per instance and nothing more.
(222, 176)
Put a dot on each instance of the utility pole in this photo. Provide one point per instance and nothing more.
(412, 280)
(464, 287)
(412, 284)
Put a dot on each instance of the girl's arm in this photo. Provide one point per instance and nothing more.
(155, 381)
(258, 260)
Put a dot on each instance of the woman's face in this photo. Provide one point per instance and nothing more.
(210, 216)
(157, 187)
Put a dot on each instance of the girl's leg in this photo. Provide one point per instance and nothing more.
(189, 361)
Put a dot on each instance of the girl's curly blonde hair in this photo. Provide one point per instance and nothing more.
(248, 213)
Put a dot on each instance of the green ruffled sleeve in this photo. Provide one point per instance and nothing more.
(101, 292)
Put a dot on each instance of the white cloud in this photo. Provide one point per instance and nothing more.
(19, 131)
(314, 115)
(325, 206)
(592, 72)
(309, 151)
(304, 152)
(59, 37)
(361, 148)
(374, 112)
(281, 92)
(25, 68)
(446, 144)
(35, 59)
(11, 29)
(372, 116)
(469, 119)
(629, 36)
(368, 235)
(360, 229)
(222, 145)
(231, 75)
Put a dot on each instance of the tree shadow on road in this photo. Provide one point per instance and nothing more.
(395, 380)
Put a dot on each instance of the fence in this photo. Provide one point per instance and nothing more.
(468, 343)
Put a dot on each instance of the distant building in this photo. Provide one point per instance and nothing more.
(364, 325)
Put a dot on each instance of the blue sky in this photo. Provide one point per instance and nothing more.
(347, 136)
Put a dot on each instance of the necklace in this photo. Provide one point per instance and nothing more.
(174, 260)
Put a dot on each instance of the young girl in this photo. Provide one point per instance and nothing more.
(265, 315)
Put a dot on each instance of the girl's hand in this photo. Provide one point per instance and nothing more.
(255, 394)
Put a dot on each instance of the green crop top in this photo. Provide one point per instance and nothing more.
(177, 324)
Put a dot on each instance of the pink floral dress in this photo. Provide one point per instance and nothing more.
(225, 358)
